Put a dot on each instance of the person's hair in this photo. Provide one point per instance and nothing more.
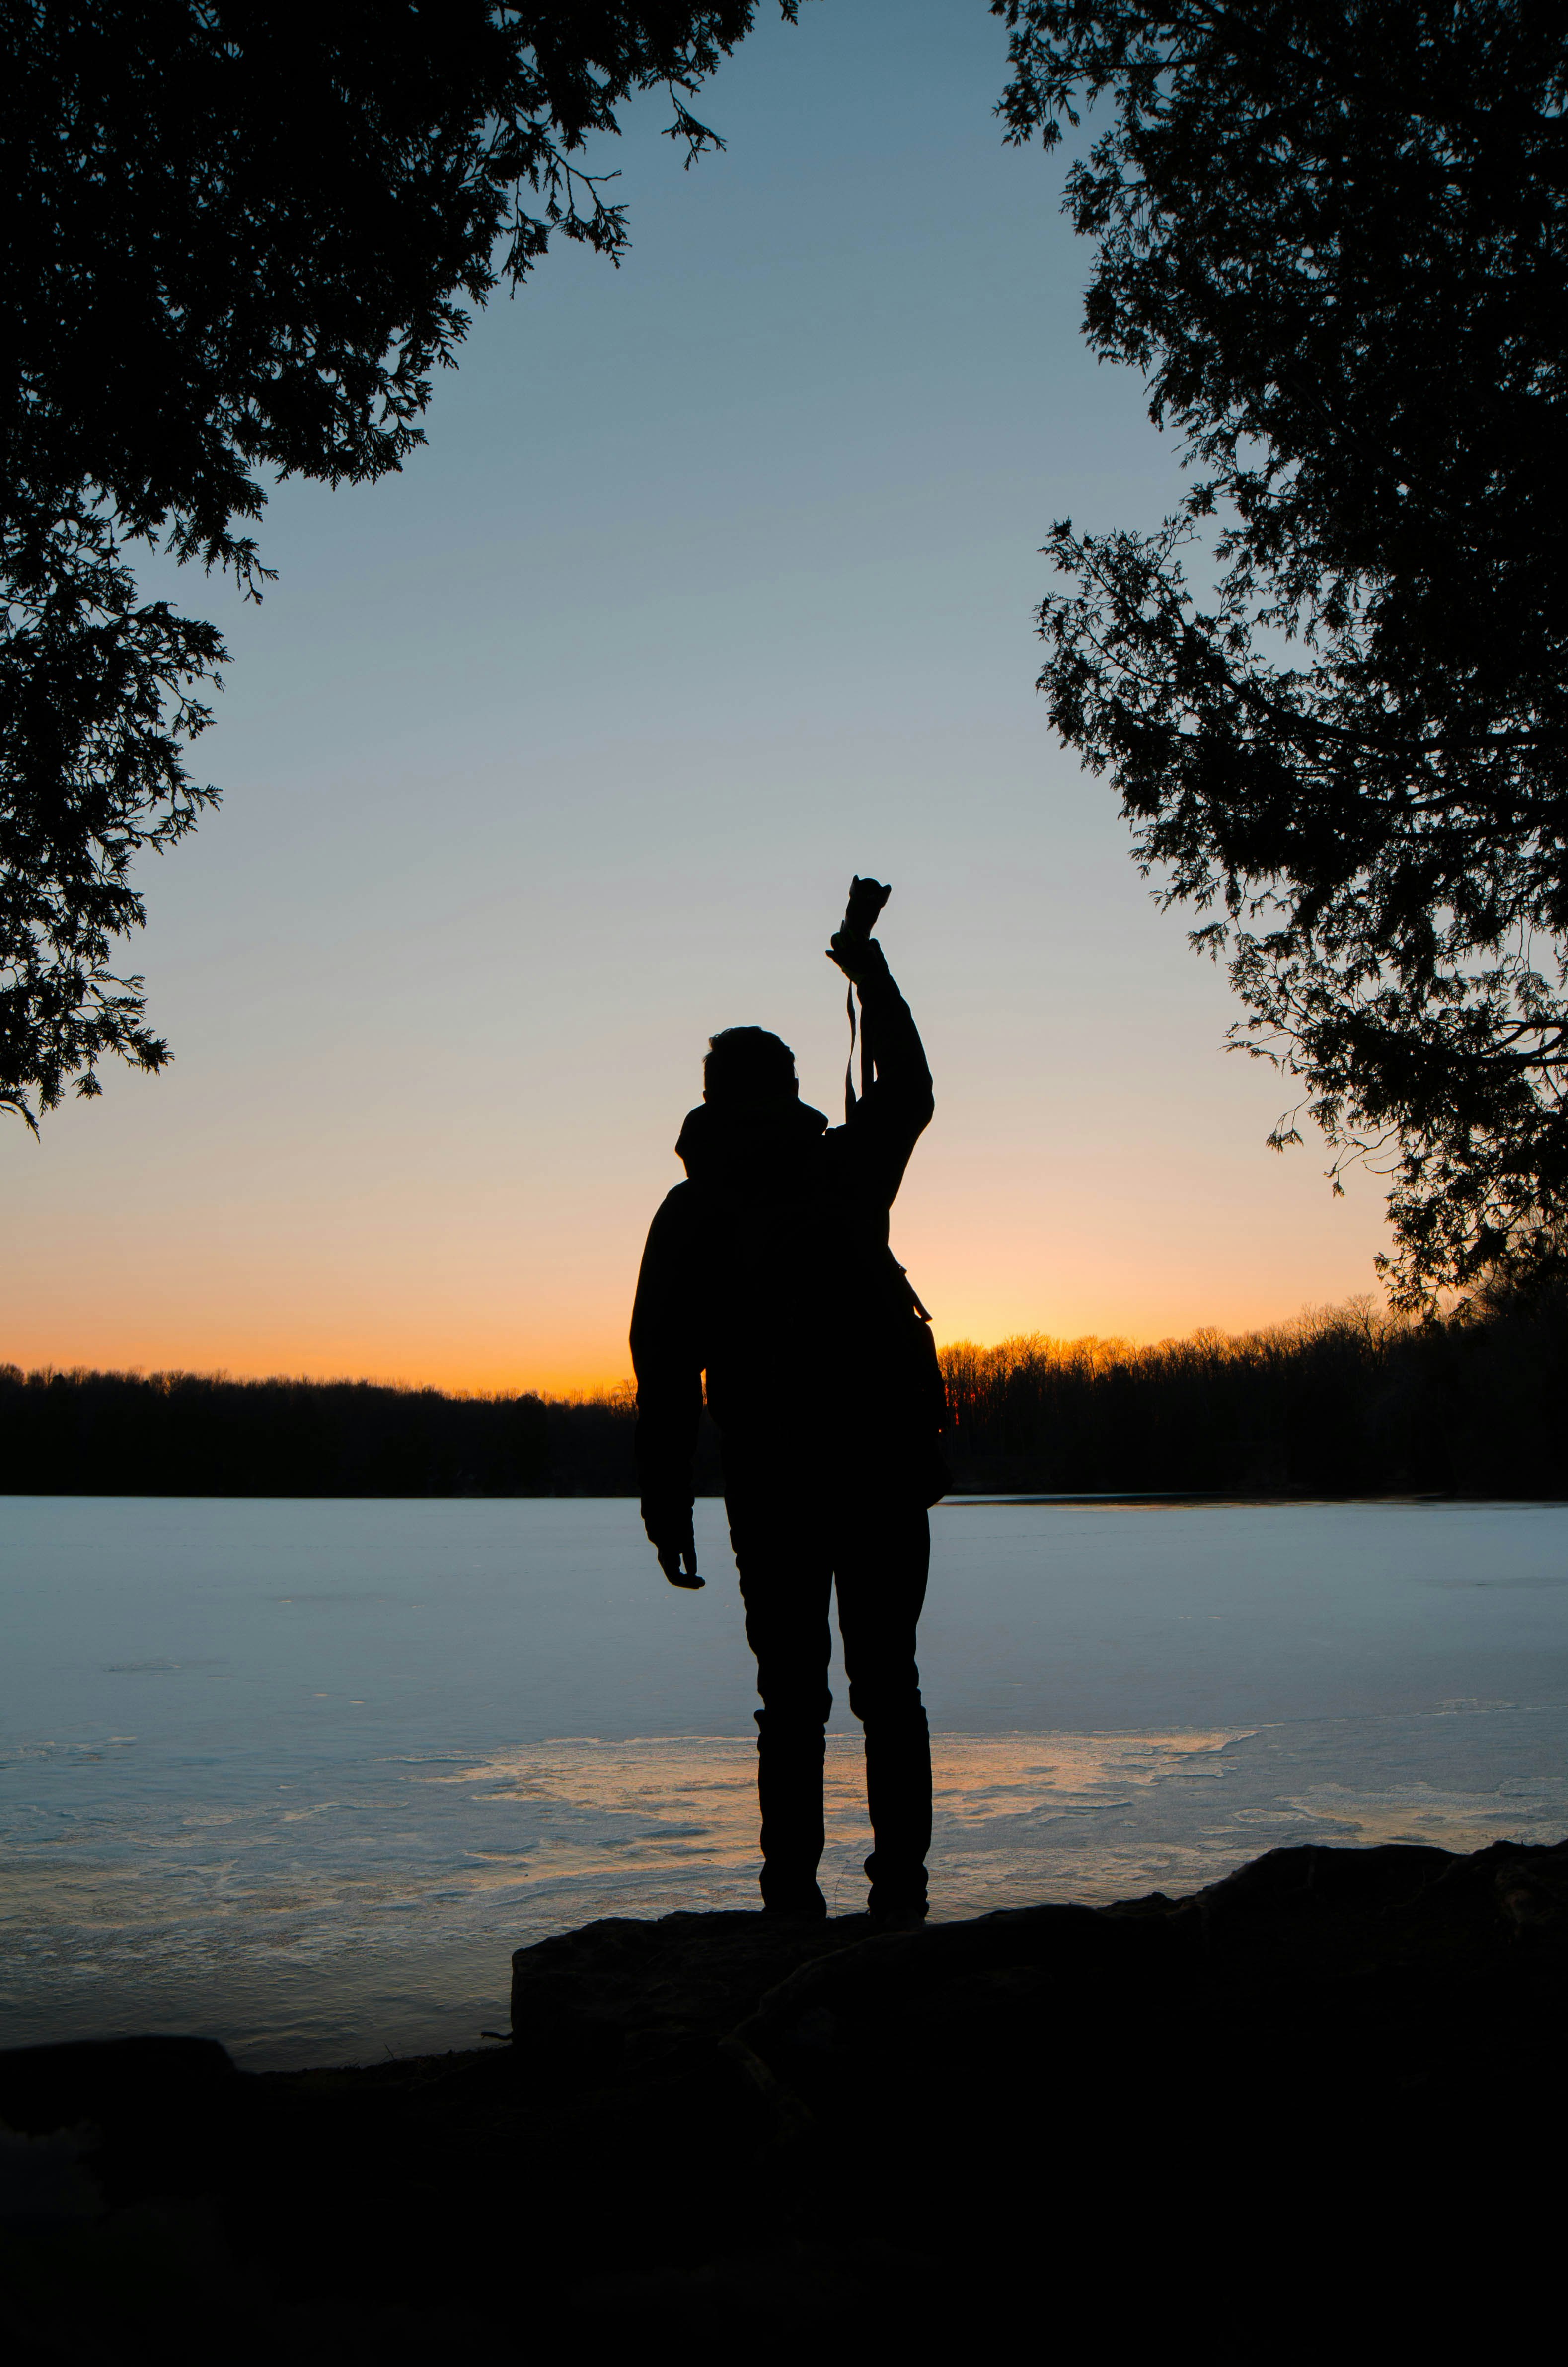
(748, 1064)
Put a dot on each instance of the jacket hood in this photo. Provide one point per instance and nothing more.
(746, 1146)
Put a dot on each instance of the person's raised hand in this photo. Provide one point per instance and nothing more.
(859, 957)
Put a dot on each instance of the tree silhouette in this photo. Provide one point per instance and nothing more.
(241, 240)
(1332, 233)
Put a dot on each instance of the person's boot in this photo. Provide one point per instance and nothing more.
(792, 1896)
(790, 1770)
(897, 1901)
(898, 1793)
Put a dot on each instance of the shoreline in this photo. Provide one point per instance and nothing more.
(708, 2122)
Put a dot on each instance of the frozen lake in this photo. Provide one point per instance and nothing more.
(300, 1775)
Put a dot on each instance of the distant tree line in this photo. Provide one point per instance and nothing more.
(1347, 1400)
(204, 1434)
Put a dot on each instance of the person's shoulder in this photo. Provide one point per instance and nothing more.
(672, 1236)
(678, 1215)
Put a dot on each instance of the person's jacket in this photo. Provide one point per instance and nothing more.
(770, 1271)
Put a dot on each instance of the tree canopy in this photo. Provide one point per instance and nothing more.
(241, 240)
(1332, 688)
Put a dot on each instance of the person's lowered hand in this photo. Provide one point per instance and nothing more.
(673, 1541)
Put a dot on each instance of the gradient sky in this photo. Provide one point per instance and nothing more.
(550, 757)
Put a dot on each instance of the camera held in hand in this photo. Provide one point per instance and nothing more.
(867, 898)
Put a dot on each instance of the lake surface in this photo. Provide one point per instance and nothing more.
(301, 1775)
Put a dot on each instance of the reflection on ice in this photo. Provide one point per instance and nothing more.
(382, 1912)
(337, 1811)
(1451, 1820)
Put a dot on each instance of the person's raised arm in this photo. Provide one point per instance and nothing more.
(897, 1106)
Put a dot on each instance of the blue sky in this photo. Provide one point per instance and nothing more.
(714, 583)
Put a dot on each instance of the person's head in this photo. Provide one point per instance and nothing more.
(747, 1064)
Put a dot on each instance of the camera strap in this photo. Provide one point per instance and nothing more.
(850, 1064)
(867, 1061)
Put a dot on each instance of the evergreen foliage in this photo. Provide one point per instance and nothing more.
(240, 240)
(1334, 236)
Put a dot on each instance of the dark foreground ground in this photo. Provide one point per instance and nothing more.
(1315, 2111)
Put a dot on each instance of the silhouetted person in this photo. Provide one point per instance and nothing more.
(769, 1270)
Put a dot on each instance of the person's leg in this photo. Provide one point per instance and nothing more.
(786, 1586)
(882, 1559)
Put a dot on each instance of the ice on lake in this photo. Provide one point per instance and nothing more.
(300, 1775)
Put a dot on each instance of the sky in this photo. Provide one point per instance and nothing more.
(543, 760)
